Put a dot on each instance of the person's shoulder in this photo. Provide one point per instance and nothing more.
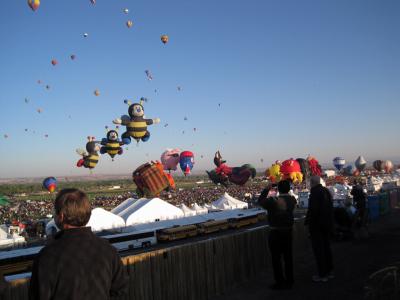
(102, 243)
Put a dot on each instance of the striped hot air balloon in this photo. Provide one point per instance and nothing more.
(387, 165)
(339, 162)
(377, 164)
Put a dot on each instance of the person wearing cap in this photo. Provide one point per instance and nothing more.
(280, 217)
(319, 220)
(77, 264)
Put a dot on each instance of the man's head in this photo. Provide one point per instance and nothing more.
(283, 186)
(72, 209)
(315, 180)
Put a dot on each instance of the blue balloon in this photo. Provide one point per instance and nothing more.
(50, 184)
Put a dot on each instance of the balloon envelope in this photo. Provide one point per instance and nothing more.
(164, 38)
(50, 184)
(34, 4)
(378, 165)
(186, 161)
(170, 159)
(387, 165)
(360, 163)
(339, 163)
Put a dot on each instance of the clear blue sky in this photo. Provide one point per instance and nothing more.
(293, 78)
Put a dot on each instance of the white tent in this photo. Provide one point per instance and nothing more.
(150, 210)
(228, 202)
(102, 219)
(187, 211)
(128, 202)
(199, 210)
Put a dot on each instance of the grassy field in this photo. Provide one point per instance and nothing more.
(35, 191)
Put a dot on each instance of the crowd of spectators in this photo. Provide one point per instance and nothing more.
(29, 211)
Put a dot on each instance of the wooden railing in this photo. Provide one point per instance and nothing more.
(195, 270)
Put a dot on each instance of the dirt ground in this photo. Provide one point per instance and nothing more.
(354, 261)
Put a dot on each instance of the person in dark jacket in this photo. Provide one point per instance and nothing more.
(319, 219)
(360, 202)
(280, 217)
(77, 264)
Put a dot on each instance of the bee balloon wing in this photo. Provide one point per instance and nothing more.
(81, 152)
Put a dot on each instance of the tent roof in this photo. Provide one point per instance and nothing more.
(226, 201)
(102, 219)
(116, 210)
(149, 210)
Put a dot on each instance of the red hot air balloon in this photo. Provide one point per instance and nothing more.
(54, 62)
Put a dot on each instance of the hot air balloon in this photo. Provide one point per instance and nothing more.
(148, 74)
(50, 184)
(54, 62)
(179, 88)
(291, 170)
(5, 136)
(186, 161)
(387, 165)
(315, 167)
(47, 87)
(85, 34)
(39, 110)
(360, 163)
(129, 24)
(304, 167)
(73, 56)
(126, 11)
(26, 100)
(96, 93)
(170, 159)
(93, 2)
(164, 38)
(351, 170)
(339, 162)
(273, 173)
(46, 136)
(378, 165)
(34, 4)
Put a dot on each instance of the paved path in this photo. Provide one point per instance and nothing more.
(354, 261)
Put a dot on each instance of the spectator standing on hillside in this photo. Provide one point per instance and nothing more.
(320, 222)
(77, 264)
(280, 217)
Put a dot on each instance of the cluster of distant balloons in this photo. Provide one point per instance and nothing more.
(360, 164)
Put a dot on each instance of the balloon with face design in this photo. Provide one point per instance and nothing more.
(136, 124)
(186, 162)
(90, 157)
(170, 159)
(111, 144)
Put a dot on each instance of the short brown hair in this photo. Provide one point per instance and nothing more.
(74, 205)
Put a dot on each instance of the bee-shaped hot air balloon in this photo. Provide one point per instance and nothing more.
(50, 184)
(111, 144)
(164, 39)
(129, 23)
(34, 4)
(136, 124)
(90, 157)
